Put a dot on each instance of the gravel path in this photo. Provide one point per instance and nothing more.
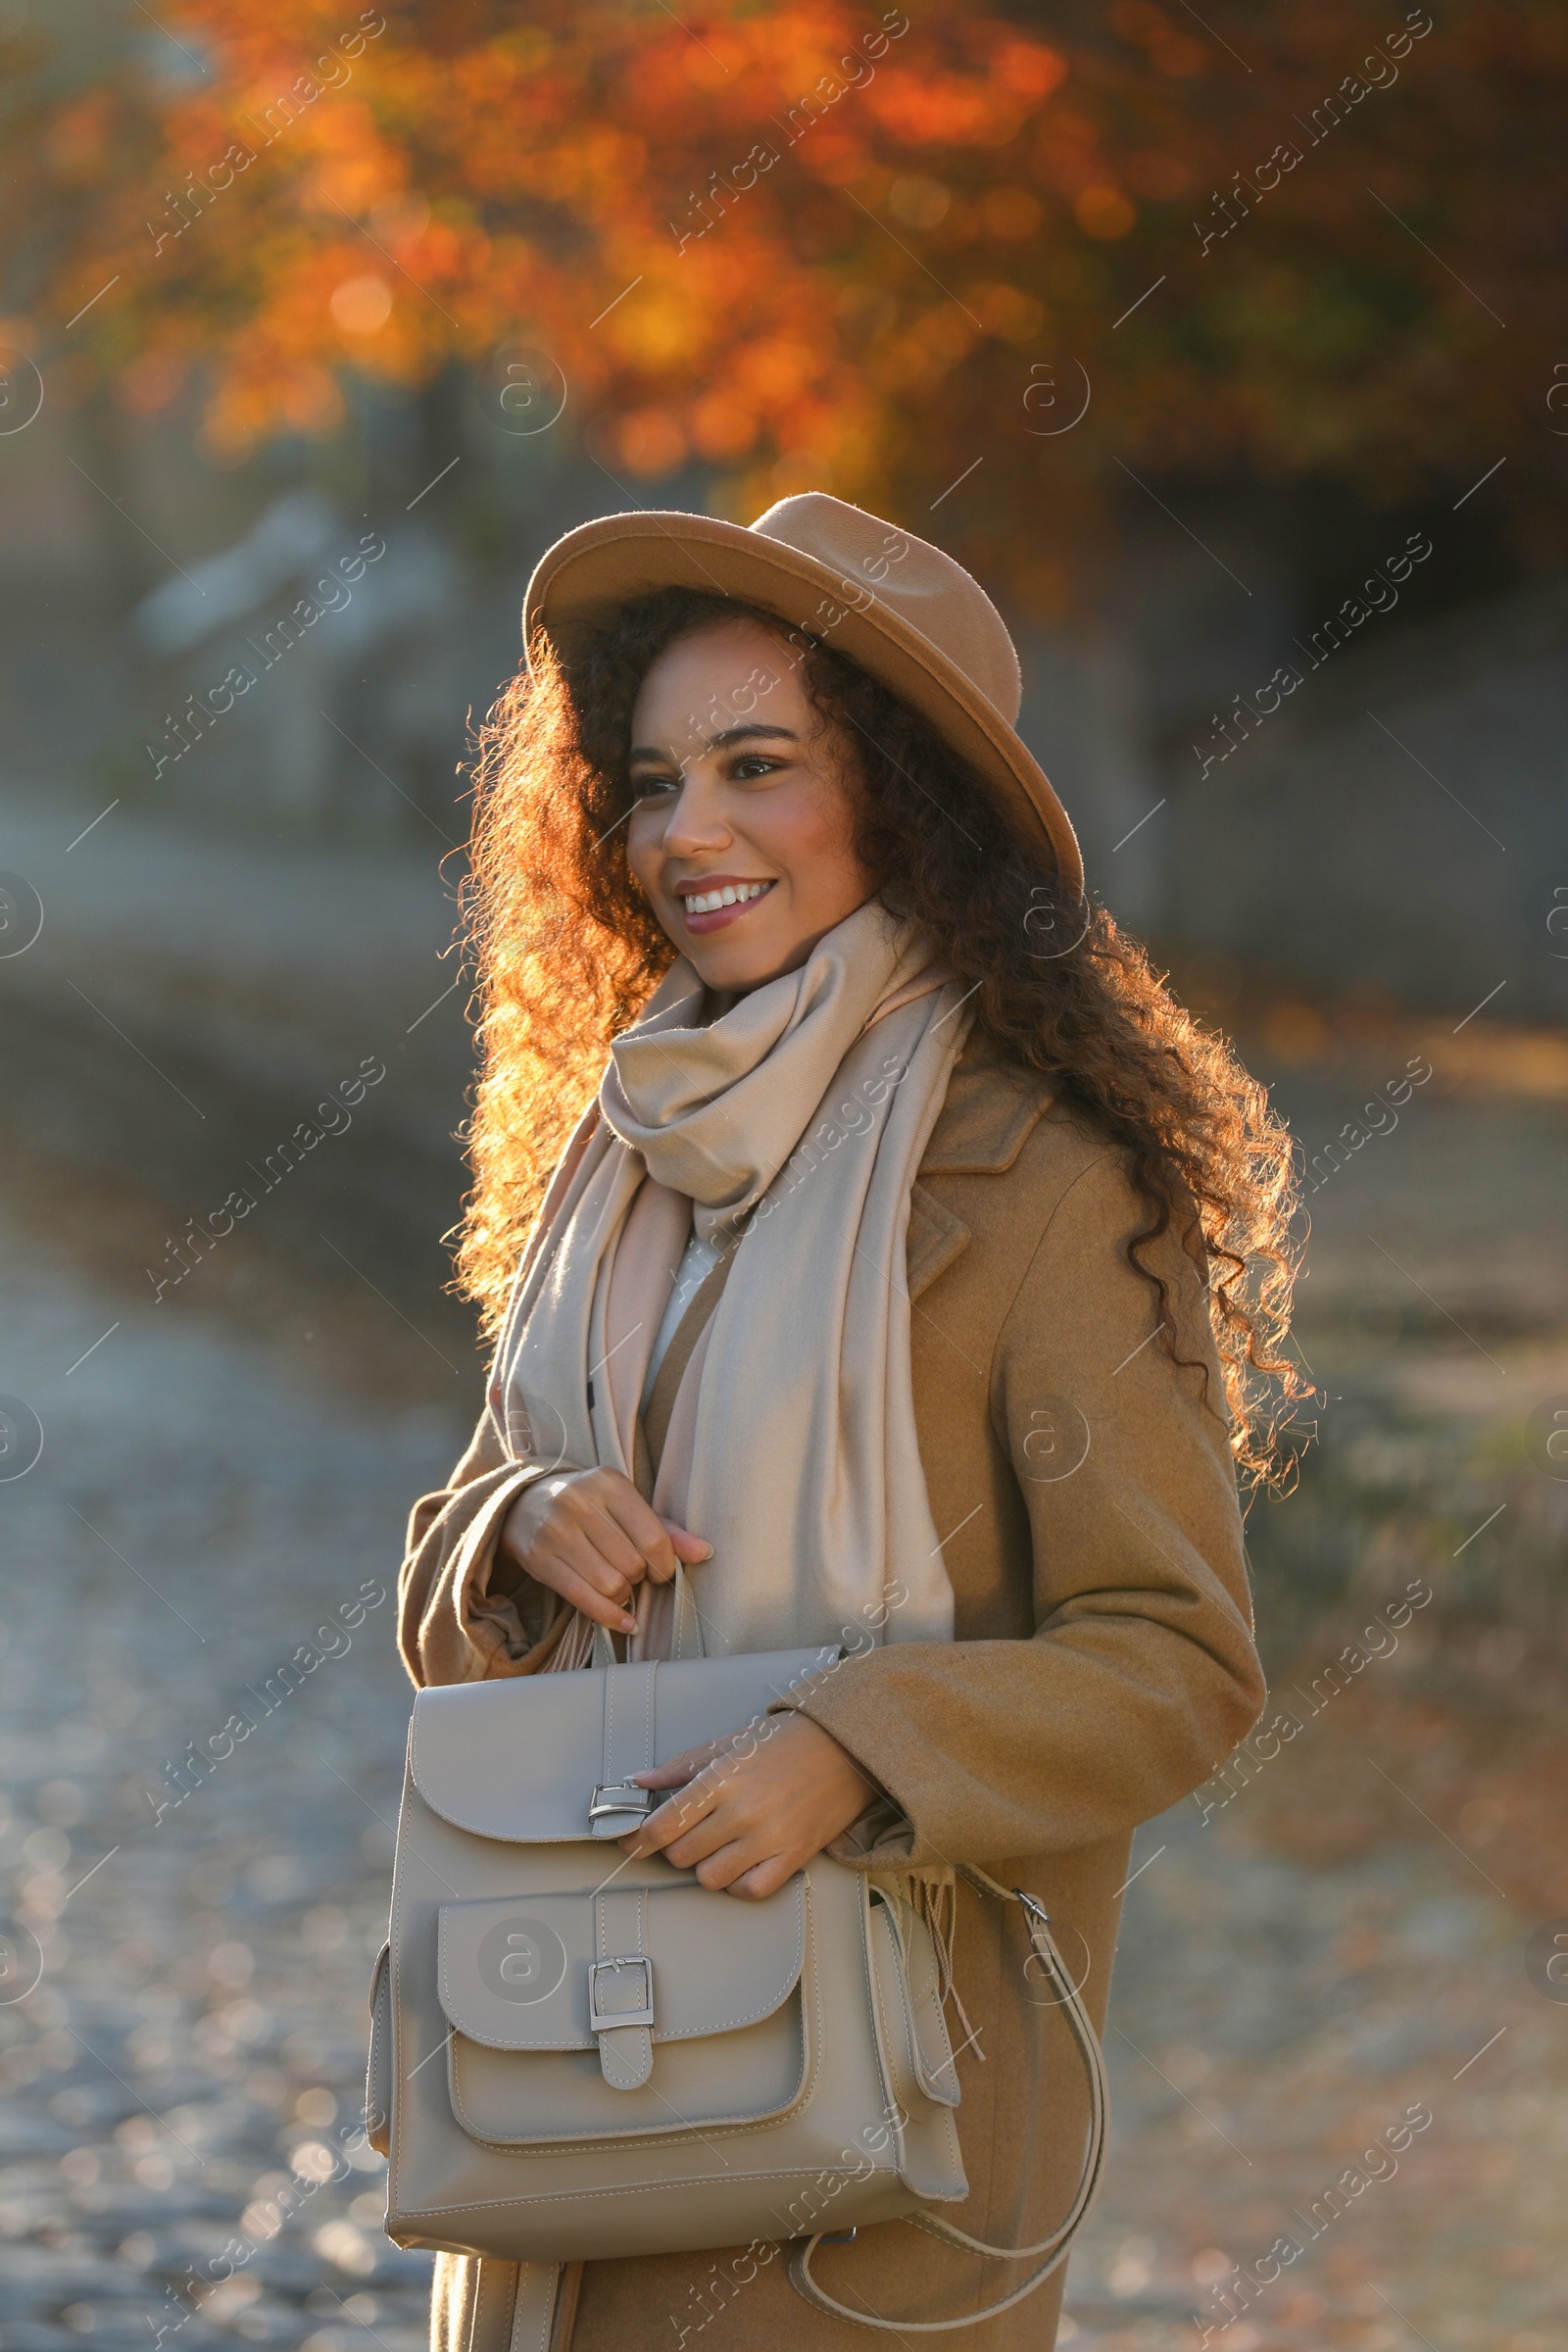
(187, 2070)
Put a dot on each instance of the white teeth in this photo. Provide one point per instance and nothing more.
(706, 901)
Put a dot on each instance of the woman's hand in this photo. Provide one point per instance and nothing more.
(753, 1808)
(589, 1535)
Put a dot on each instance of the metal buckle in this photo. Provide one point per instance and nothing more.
(620, 1796)
(602, 2020)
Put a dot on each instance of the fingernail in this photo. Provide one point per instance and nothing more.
(708, 1553)
(629, 1625)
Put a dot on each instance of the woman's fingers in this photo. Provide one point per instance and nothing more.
(654, 1539)
(740, 1864)
(578, 1593)
(676, 1771)
(605, 1506)
(707, 1826)
(691, 1550)
(673, 1775)
(591, 1528)
(755, 1807)
(679, 1815)
(756, 1882)
(731, 1866)
(593, 1518)
(713, 1830)
(566, 1562)
(575, 1549)
(699, 1831)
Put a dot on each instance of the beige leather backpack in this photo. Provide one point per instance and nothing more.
(574, 2056)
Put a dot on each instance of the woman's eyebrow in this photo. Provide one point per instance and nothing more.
(716, 742)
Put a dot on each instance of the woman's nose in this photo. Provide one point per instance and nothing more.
(696, 819)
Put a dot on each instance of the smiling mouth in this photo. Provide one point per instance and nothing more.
(715, 910)
(733, 894)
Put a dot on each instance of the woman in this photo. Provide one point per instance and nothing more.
(915, 1275)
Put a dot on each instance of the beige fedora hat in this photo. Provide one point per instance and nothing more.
(896, 605)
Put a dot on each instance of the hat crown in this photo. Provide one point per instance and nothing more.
(911, 577)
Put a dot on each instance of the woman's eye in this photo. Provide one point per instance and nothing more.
(753, 765)
(652, 788)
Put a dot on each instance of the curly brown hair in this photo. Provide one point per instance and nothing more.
(567, 951)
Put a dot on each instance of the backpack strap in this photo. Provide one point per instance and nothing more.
(1055, 2248)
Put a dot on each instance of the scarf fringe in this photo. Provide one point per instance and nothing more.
(933, 1896)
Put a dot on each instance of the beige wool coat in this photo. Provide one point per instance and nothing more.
(1104, 1665)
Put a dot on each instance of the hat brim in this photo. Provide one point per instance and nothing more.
(601, 566)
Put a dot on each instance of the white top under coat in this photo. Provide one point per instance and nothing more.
(697, 1262)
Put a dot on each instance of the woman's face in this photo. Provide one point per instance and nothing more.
(741, 831)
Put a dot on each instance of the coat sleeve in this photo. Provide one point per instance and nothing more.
(461, 1619)
(1141, 1675)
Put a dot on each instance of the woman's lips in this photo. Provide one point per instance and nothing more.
(718, 918)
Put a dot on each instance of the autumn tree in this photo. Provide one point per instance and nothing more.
(805, 241)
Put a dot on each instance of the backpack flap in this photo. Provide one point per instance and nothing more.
(542, 1758)
(623, 2009)
(540, 1973)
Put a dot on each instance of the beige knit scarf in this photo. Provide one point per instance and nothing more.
(789, 1129)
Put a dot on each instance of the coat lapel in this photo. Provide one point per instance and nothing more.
(989, 1111)
(936, 1238)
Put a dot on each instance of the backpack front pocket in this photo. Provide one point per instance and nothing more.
(624, 2011)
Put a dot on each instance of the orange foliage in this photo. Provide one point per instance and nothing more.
(813, 240)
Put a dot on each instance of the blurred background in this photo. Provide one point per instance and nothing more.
(1229, 352)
